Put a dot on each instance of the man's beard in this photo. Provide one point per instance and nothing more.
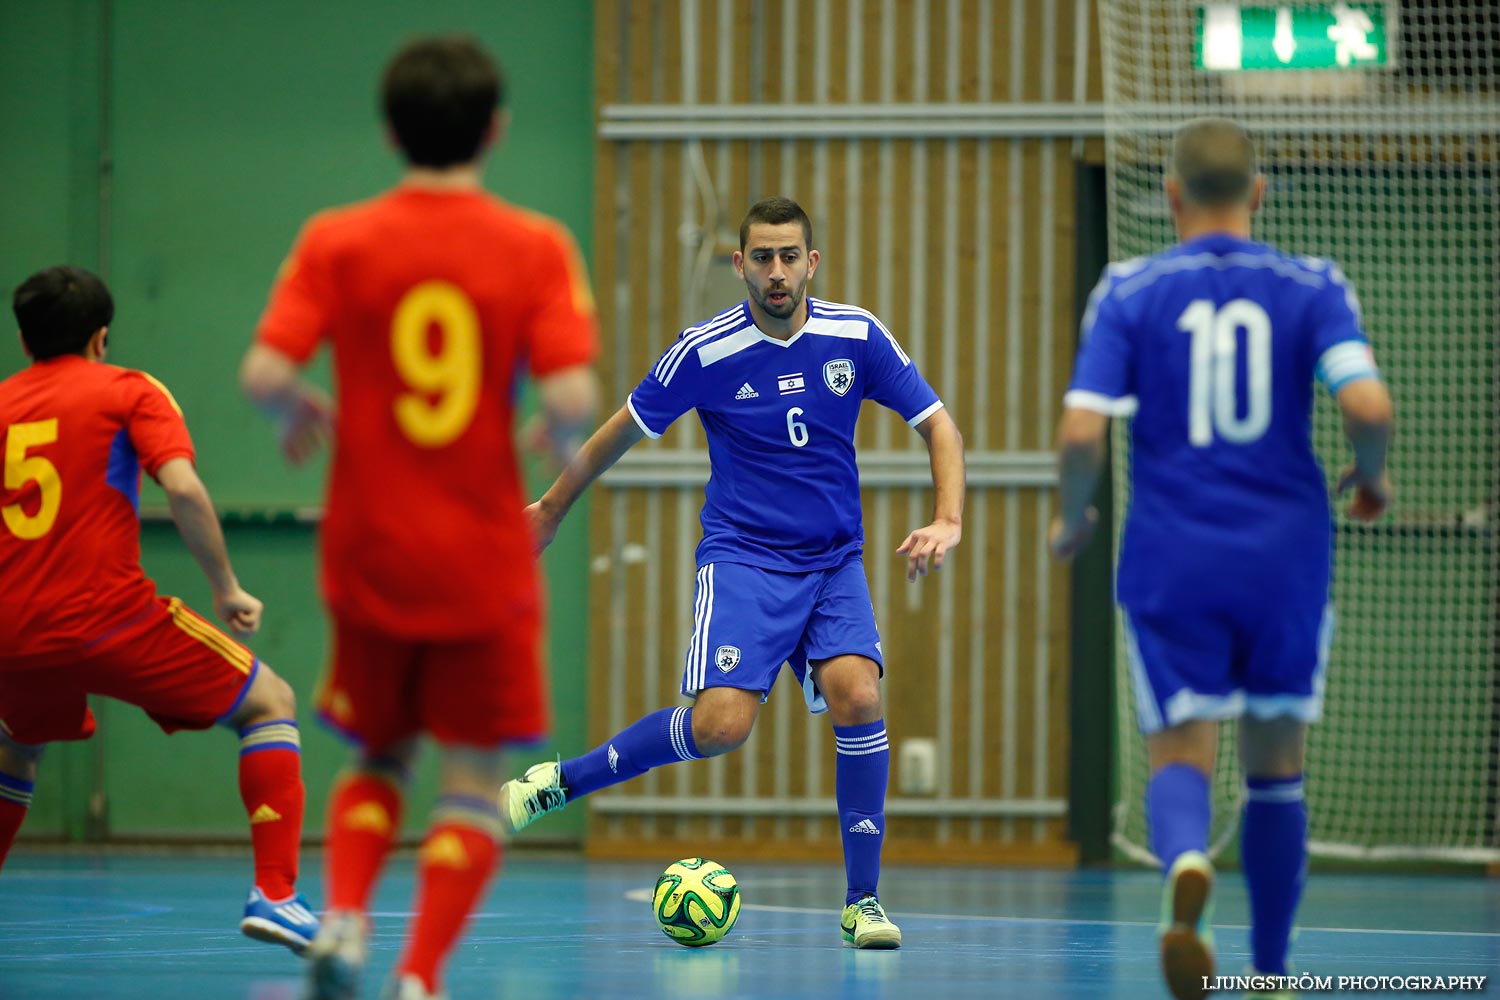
(786, 308)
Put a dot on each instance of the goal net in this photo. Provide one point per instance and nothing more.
(1378, 128)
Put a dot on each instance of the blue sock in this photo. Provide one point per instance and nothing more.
(663, 737)
(859, 779)
(1177, 810)
(1273, 851)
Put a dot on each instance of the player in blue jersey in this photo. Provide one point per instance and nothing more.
(777, 381)
(1213, 347)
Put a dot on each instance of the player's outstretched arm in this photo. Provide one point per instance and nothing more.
(1080, 460)
(945, 450)
(570, 402)
(274, 383)
(1369, 419)
(602, 450)
(193, 511)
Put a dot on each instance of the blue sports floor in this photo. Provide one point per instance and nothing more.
(131, 927)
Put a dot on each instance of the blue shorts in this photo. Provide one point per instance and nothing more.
(1270, 662)
(748, 621)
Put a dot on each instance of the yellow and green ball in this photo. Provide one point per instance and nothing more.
(696, 902)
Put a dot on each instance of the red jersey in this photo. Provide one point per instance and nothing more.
(76, 435)
(434, 304)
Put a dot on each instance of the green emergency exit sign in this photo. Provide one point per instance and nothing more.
(1233, 36)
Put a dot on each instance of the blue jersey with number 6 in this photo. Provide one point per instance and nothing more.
(1213, 347)
(779, 417)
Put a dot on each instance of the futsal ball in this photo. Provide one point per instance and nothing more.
(696, 902)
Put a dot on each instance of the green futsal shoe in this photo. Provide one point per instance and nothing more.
(865, 925)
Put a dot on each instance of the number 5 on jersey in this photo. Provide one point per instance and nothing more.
(21, 469)
(1213, 406)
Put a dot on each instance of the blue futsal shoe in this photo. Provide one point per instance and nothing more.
(289, 922)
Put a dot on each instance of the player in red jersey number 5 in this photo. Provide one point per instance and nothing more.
(81, 616)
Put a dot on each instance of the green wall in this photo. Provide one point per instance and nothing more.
(49, 113)
(177, 146)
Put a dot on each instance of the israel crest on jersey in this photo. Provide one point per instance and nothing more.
(726, 658)
(839, 375)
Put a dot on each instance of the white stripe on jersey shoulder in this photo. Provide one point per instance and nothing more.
(1113, 272)
(727, 328)
(1110, 406)
(696, 334)
(717, 350)
(1161, 266)
(630, 405)
(843, 310)
(853, 328)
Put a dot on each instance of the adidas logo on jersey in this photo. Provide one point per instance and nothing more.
(865, 826)
(746, 392)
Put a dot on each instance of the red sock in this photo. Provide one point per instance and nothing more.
(458, 858)
(364, 817)
(271, 788)
(15, 798)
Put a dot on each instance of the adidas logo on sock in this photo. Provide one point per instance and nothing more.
(265, 814)
(614, 759)
(370, 817)
(746, 392)
(445, 850)
(865, 826)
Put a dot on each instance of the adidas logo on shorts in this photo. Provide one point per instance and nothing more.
(746, 392)
(865, 826)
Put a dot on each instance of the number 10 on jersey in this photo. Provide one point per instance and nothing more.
(1213, 404)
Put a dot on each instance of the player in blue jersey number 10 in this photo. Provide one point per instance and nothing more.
(777, 381)
(1212, 347)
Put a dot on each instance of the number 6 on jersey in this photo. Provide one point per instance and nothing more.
(796, 429)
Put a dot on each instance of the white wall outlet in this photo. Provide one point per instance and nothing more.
(917, 767)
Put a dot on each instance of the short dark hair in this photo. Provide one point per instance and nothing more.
(1214, 161)
(59, 309)
(439, 95)
(775, 211)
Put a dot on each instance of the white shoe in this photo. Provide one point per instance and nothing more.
(528, 798)
(1187, 956)
(409, 988)
(336, 957)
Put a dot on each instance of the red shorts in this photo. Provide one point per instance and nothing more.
(381, 689)
(182, 670)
